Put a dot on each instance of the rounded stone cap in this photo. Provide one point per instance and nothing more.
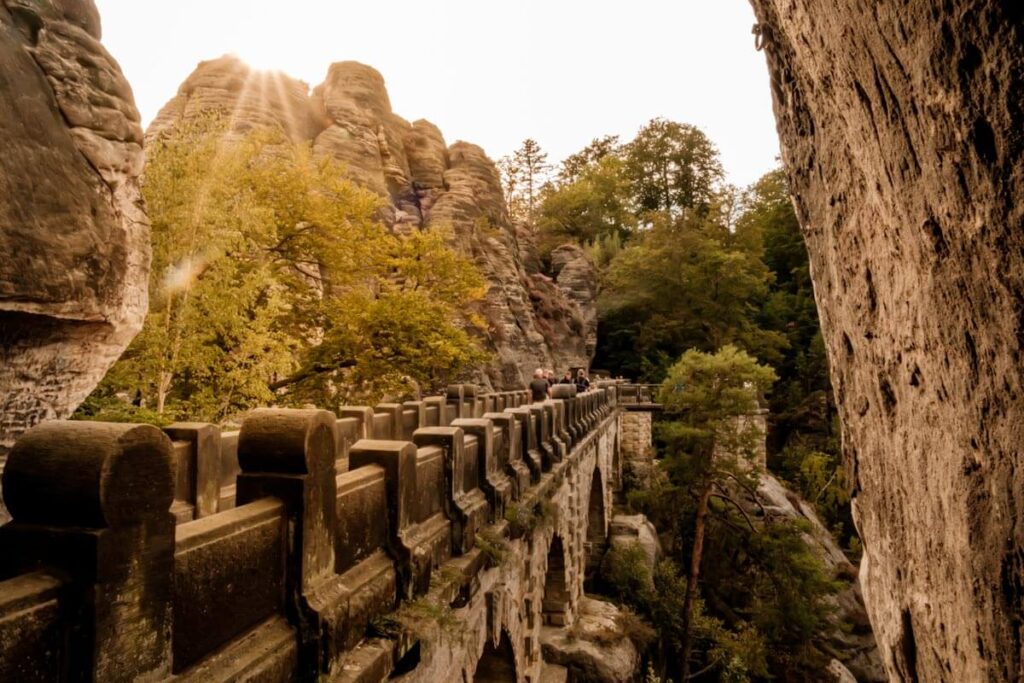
(89, 474)
(563, 391)
(287, 441)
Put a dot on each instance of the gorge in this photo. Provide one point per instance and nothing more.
(348, 543)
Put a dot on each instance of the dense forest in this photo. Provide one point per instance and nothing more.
(705, 288)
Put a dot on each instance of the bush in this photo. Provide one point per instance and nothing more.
(625, 571)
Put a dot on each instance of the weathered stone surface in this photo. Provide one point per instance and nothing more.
(364, 133)
(638, 467)
(533, 321)
(73, 232)
(307, 560)
(576, 275)
(900, 125)
(629, 530)
(596, 648)
(245, 98)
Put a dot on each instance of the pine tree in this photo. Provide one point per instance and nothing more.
(533, 169)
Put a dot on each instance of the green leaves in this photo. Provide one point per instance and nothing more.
(673, 167)
(707, 389)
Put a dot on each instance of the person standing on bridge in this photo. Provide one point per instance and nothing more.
(582, 383)
(567, 379)
(539, 386)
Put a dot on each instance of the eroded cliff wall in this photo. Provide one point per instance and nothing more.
(901, 129)
(533, 321)
(74, 237)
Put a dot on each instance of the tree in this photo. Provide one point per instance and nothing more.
(683, 283)
(531, 164)
(711, 396)
(509, 170)
(576, 165)
(265, 257)
(591, 208)
(673, 167)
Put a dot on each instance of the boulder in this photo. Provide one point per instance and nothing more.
(596, 648)
(75, 238)
(850, 635)
(629, 530)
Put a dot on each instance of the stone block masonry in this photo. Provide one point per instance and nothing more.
(306, 546)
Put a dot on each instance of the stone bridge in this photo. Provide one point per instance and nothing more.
(431, 541)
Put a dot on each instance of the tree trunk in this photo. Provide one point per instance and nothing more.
(163, 387)
(901, 129)
(694, 577)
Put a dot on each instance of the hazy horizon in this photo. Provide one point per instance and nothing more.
(561, 74)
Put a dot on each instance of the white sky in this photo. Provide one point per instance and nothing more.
(560, 71)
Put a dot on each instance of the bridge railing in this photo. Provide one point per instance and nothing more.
(196, 554)
(636, 394)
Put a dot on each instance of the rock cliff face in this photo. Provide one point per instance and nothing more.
(73, 234)
(901, 129)
(533, 321)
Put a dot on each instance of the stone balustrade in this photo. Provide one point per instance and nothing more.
(270, 553)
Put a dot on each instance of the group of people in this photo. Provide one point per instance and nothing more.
(543, 380)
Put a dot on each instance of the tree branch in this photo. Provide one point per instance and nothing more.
(313, 370)
(745, 487)
(722, 496)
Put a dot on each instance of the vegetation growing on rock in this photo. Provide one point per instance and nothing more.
(272, 282)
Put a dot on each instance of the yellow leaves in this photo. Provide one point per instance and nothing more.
(272, 269)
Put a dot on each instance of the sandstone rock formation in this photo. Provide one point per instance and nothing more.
(596, 648)
(850, 635)
(533, 321)
(73, 233)
(901, 129)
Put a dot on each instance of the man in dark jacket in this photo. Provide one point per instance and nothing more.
(567, 379)
(539, 386)
(582, 383)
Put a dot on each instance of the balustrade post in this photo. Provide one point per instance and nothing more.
(398, 459)
(91, 501)
(291, 455)
(493, 482)
(203, 475)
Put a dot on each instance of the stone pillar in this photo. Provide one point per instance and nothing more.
(512, 464)
(467, 512)
(419, 409)
(493, 481)
(528, 440)
(544, 443)
(635, 448)
(290, 455)
(365, 416)
(394, 412)
(398, 459)
(201, 482)
(91, 500)
(438, 404)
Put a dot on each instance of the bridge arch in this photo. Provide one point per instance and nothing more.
(597, 525)
(557, 598)
(498, 662)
